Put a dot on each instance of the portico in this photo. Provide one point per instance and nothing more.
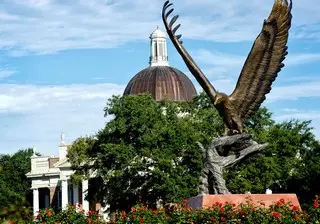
(52, 185)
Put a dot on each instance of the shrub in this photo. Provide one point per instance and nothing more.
(71, 215)
(181, 213)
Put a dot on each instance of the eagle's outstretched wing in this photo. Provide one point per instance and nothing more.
(264, 61)
(194, 69)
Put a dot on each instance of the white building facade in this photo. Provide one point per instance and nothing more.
(52, 185)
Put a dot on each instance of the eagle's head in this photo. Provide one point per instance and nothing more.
(220, 98)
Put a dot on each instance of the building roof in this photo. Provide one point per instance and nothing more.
(162, 82)
(157, 34)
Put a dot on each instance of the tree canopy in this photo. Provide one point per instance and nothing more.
(148, 152)
(14, 185)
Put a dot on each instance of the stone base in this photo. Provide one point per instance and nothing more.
(204, 201)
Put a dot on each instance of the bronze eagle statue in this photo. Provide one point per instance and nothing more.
(261, 67)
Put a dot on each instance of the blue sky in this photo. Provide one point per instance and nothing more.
(60, 60)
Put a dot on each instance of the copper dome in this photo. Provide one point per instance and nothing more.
(163, 82)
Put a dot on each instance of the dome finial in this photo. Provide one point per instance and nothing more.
(62, 138)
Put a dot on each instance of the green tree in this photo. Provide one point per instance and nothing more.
(289, 144)
(304, 179)
(148, 150)
(14, 185)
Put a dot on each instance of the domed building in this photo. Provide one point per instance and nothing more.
(159, 79)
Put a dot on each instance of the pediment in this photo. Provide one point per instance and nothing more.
(62, 163)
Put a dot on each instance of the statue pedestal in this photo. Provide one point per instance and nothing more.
(204, 201)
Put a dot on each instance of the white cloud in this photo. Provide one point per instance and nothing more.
(295, 91)
(47, 26)
(300, 90)
(4, 73)
(298, 114)
(221, 65)
(299, 59)
(35, 115)
(290, 110)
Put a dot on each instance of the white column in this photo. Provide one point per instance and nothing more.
(75, 194)
(154, 50)
(64, 194)
(158, 50)
(35, 201)
(85, 203)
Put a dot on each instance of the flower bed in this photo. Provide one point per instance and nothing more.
(181, 213)
(71, 215)
(280, 212)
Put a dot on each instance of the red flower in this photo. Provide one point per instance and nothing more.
(316, 204)
(276, 214)
(243, 212)
(221, 209)
(141, 220)
(296, 217)
(280, 202)
(185, 201)
(124, 214)
(211, 219)
(223, 219)
(133, 209)
(295, 208)
(48, 212)
(154, 212)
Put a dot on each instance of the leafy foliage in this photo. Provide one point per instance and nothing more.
(181, 213)
(291, 145)
(148, 152)
(71, 215)
(14, 185)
